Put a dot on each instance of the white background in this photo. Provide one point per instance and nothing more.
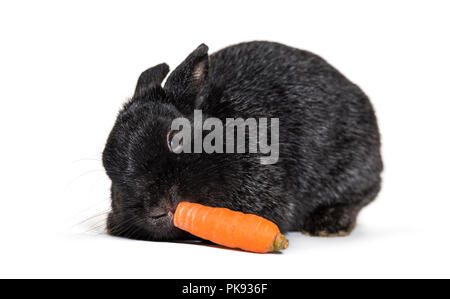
(67, 66)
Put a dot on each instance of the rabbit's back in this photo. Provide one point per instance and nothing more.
(329, 139)
(284, 78)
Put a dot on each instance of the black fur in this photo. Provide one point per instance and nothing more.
(329, 166)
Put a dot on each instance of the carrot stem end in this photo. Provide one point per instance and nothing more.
(280, 243)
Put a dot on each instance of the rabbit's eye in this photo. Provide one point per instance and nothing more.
(174, 142)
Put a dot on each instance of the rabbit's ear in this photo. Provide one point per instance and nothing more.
(189, 76)
(151, 78)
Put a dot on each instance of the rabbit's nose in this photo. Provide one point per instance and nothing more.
(157, 212)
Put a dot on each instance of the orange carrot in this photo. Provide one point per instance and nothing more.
(230, 228)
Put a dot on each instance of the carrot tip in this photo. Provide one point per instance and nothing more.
(280, 243)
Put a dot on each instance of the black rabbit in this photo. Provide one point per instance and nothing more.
(329, 145)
